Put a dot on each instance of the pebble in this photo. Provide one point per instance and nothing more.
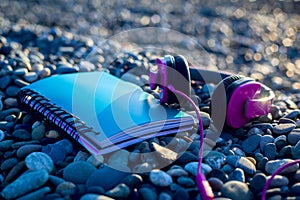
(25, 183)
(58, 150)
(85, 169)
(109, 177)
(186, 181)
(237, 175)
(296, 151)
(10, 102)
(38, 132)
(6, 145)
(297, 175)
(54, 180)
(164, 155)
(37, 194)
(12, 91)
(133, 180)
(219, 174)
(21, 134)
(192, 168)
(280, 142)
(285, 152)
(241, 162)
(273, 165)
(177, 172)
(95, 190)
(164, 196)
(95, 197)
(15, 171)
(215, 159)
(66, 189)
(52, 134)
(186, 157)
(283, 128)
(235, 190)
(120, 191)
(5, 81)
(30, 77)
(251, 143)
(258, 182)
(147, 193)
(44, 73)
(294, 136)
(292, 114)
(265, 139)
(2, 135)
(181, 194)
(278, 181)
(38, 161)
(295, 190)
(37, 67)
(23, 151)
(66, 70)
(119, 160)
(81, 156)
(96, 160)
(160, 178)
(8, 163)
(215, 183)
(270, 151)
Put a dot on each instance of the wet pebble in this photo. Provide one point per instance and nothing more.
(85, 169)
(39, 160)
(273, 165)
(25, 183)
(235, 190)
(160, 178)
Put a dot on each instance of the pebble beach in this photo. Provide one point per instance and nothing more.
(39, 39)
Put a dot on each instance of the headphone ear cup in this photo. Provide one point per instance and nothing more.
(183, 68)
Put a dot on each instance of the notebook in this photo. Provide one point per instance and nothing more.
(101, 111)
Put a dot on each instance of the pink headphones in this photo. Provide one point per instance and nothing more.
(245, 99)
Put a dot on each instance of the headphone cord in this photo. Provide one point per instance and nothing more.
(203, 185)
(264, 192)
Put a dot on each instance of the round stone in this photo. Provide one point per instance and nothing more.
(85, 169)
(133, 180)
(265, 139)
(23, 151)
(21, 134)
(8, 163)
(44, 73)
(237, 175)
(296, 151)
(241, 162)
(215, 183)
(186, 181)
(235, 190)
(270, 151)
(66, 188)
(148, 193)
(160, 178)
(295, 190)
(280, 142)
(177, 172)
(258, 182)
(30, 77)
(12, 91)
(38, 132)
(120, 191)
(39, 160)
(273, 165)
(283, 128)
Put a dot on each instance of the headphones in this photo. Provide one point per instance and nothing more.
(243, 98)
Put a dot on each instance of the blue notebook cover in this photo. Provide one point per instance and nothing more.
(101, 111)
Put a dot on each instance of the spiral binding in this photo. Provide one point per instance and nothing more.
(63, 119)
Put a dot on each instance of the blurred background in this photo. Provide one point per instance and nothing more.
(260, 39)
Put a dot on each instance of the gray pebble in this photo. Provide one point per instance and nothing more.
(165, 155)
(8, 163)
(95, 197)
(23, 151)
(96, 160)
(293, 114)
(21, 71)
(160, 178)
(21, 134)
(38, 132)
(265, 139)
(66, 189)
(30, 77)
(235, 190)
(237, 175)
(148, 193)
(270, 151)
(273, 165)
(241, 162)
(85, 169)
(37, 194)
(251, 143)
(215, 159)
(278, 181)
(39, 160)
(37, 67)
(283, 128)
(66, 70)
(119, 160)
(12, 91)
(177, 172)
(44, 73)
(120, 191)
(280, 142)
(186, 181)
(296, 151)
(52, 134)
(294, 136)
(258, 182)
(25, 183)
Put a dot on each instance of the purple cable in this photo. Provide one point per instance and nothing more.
(264, 192)
(195, 107)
